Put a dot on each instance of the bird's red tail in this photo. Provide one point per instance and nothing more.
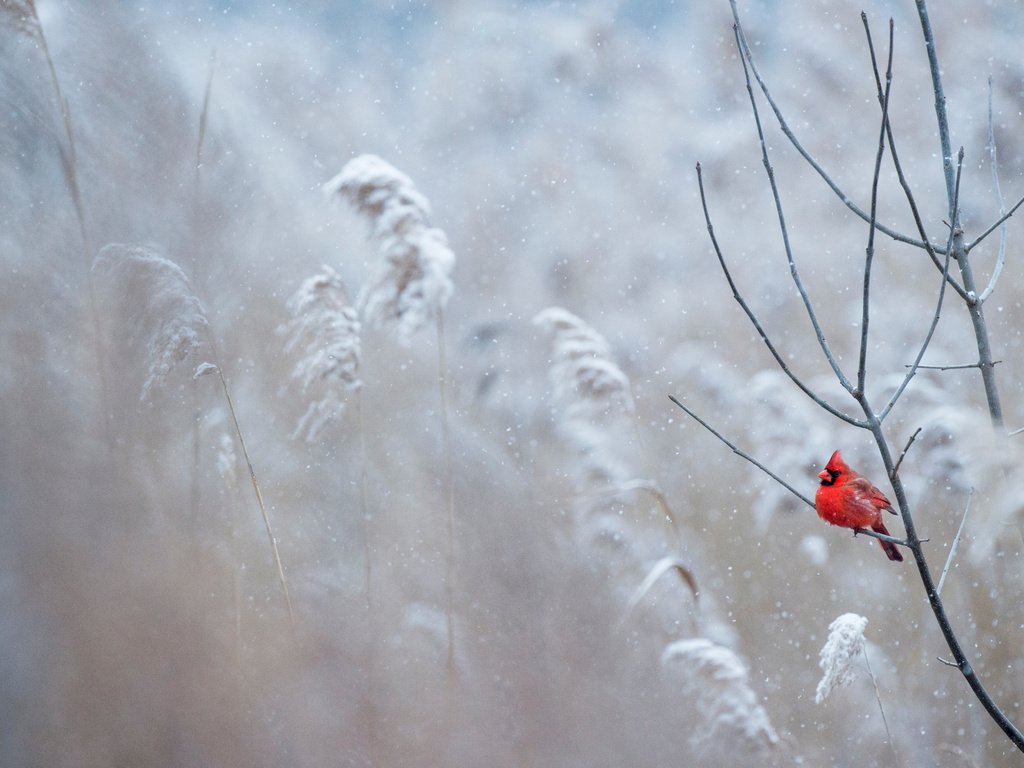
(890, 549)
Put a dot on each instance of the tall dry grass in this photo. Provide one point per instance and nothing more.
(556, 150)
(161, 321)
(409, 288)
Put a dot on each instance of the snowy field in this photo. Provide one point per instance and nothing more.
(338, 340)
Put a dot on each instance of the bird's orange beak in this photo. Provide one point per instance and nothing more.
(824, 475)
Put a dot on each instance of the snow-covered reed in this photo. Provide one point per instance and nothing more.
(844, 647)
(165, 319)
(164, 316)
(324, 329)
(589, 390)
(408, 290)
(411, 283)
(21, 14)
(717, 680)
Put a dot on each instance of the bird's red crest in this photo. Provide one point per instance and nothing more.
(836, 463)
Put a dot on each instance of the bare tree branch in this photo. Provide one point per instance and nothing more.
(742, 454)
(938, 309)
(904, 184)
(954, 367)
(940, 103)
(745, 53)
(906, 448)
(934, 599)
(793, 271)
(880, 536)
(870, 249)
(998, 223)
(753, 318)
(1001, 255)
(873, 421)
(960, 254)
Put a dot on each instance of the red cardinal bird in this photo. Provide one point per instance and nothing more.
(849, 500)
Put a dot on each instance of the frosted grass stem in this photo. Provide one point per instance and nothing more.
(410, 285)
(69, 163)
(449, 476)
(256, 488)
(881, 709)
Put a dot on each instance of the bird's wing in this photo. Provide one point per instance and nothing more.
(866, 491)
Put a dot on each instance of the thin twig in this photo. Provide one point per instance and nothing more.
(953, 367)
(1015, 432)
(1001, 255)
(956, 542)
(794, 273)
(779, 360)
(974, 307)
(998, 223)
(197, 164)
(883, 98)
(872, 420)
(940, 103)
(784, 126)
(880, 536)
(743, 454)
(934, 599)
(870, 249)
(903, 453)
(904, 184)
(938, 309)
